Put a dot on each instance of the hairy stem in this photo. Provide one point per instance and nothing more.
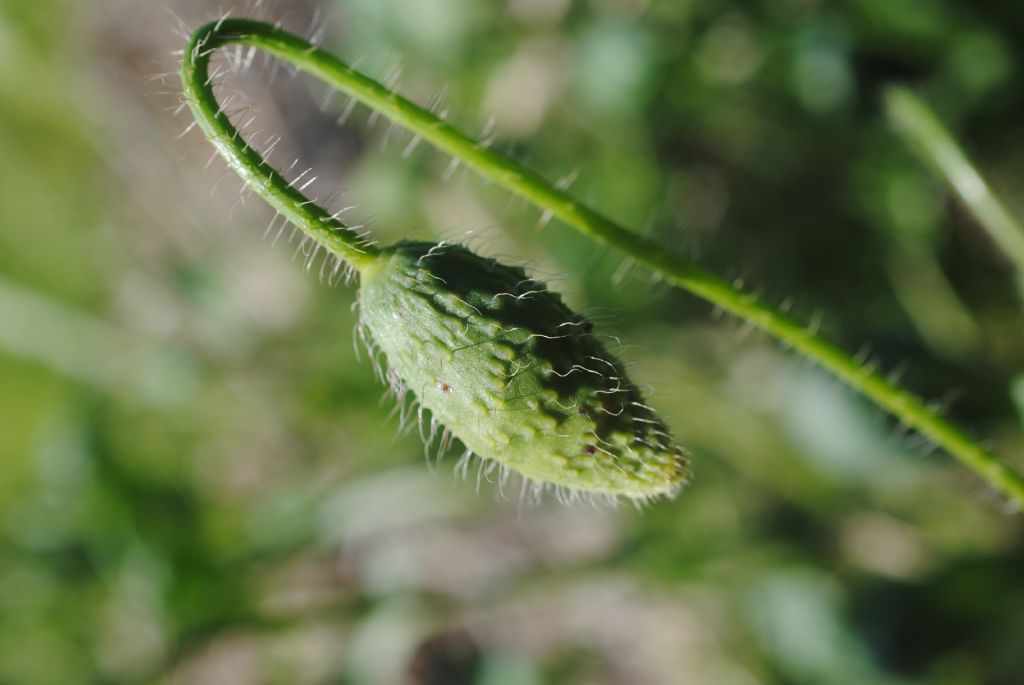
(530, 186)
(310, 217)
(926, 134)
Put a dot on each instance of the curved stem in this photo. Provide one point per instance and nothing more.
(530, 186)
(305, 213)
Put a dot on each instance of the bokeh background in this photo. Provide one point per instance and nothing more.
(200, 484)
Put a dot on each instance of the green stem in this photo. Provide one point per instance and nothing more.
(309, 216)
(926, 134)
(526, 184)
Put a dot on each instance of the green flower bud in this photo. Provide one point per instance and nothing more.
(514, 374)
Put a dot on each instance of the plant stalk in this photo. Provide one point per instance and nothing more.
(341, 241)
(922, 129)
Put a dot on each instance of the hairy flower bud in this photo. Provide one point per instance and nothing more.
(514, 373)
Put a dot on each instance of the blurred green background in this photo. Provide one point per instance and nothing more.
(199, 485)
